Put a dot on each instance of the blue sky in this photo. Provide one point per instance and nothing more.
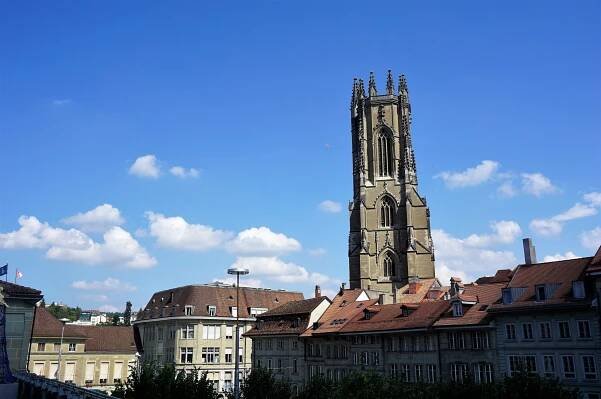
(251, 101)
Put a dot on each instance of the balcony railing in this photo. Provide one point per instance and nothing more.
(35, 386)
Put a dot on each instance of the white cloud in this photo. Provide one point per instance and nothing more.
(546, 227)
(466, 258)
(119, 247)
(507, 190)
(329, 206)
(98, 219)
(558, 256)
(479, 174)
(72, 245)
(274, 268)
(537, 184)
(261, 240)
(504, 232)
(554, 225)
(176, 232)
(317, 252)
(109, 284)
(146, 166)
(591, 239)
(184, 173)
(593, 198)
(109, 308)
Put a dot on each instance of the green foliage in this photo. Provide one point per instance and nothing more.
(154, 382)
(374, 386)
(127, 314)
(261, 384)
(61, 312)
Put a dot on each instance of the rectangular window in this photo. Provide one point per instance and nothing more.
(89, 376)
(72, 347)
(104, 373)
(483, 373)
(457, 309)
(188, 332)
(549, 366)
(186, 355)
(510, 331)
(269, 364)
(569, 371)
(294, 366)
(394, 371)
(584, 329)
(578, 289)
(540, 293)
(241, 355)
(431, 373)
(42, 346)
(212, 310)
(234, 311)
(280, 365)
(419, 372)
(229, 332)
(588, 365)
(375, 358)
(117, 372)
(456, 340)
(228, 355)
(545, 330)
(189, 310)
(210, 355)
(527, 331)
(564, 329)
(69, 372)
(480, 340)
(506, 293)
(52, 370)
(365, 358)
(405, 373)
(38, 368)
(458, 372)
(211, 332)
(522, 363)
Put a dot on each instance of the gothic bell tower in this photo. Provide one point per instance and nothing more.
(390, 241)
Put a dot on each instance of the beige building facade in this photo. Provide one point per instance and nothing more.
(193, 327)
(390, 241)
(96, 357)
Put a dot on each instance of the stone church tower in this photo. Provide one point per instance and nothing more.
(390, 242)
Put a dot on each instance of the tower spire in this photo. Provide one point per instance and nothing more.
(372, 85)
(389, 84)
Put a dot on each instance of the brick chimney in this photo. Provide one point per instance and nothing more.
(317, 291)
(414, 285)
(529, 251)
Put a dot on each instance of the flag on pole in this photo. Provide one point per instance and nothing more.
(4, 270)
(19, 274)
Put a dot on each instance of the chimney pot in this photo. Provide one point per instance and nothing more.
(381, 299)
(529, 251)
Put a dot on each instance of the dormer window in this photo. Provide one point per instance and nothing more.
(367, 314)
(212, 309)
(507, 297)
(234, 311)
(578, 289)
(457, 309)
(541, 293)
(188, 310)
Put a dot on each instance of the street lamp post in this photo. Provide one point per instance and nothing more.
(237, 271)
(60, 349)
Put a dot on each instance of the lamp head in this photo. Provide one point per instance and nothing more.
(240, 271)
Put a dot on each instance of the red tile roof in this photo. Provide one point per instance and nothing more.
(112, 339)
(392, 317)
(501, 276)
(559, 274)
(172, 302)
(304, 306)
(16, 290)
(484, 295)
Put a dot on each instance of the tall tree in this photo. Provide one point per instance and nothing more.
(127, 314)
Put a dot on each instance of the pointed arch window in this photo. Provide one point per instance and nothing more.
(385, 154)
(386, 213)
(388, 264)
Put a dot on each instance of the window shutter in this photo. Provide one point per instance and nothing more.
(38, 368)
(52, 370)
(90, 371)
(118, 371)
(70, 371)
(104, 371)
